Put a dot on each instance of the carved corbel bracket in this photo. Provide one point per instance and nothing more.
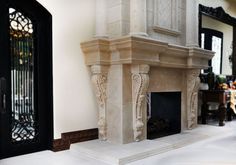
(140, 83)
(99, 80)
(193, 83)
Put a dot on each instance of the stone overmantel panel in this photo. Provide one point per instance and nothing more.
(142, 50)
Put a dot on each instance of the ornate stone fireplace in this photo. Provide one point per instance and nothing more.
(125, 69)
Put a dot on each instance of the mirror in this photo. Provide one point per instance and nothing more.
(217, 33)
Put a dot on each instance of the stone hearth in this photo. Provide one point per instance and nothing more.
(125, 69)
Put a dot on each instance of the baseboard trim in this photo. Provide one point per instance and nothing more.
(60, 145)
(74, 137)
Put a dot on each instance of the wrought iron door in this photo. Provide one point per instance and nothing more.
(25, 78)
(23, 123)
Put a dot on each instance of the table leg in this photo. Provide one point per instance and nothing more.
(222, 114)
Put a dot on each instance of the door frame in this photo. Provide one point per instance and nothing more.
(209, 33)
(44, 72)
(219, 14)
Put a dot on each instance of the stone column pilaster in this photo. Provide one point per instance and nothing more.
(138, 20)
(101, 19)
(192, 23)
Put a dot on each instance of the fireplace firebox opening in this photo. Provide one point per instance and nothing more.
(164, 114)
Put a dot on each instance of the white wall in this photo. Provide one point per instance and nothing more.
(74, 102)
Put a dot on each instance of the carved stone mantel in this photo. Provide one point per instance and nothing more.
(135, 65)
(143, 50)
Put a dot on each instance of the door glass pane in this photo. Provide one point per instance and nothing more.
(23, 122)
(216, 60)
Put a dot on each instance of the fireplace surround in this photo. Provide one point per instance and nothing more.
(125, 69)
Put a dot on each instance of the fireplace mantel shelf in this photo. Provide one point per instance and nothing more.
(144, 50)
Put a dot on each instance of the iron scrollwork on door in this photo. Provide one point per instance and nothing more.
(23, 118)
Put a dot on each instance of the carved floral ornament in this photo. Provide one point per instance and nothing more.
(193, 83)
(99, 80)
(140, 83)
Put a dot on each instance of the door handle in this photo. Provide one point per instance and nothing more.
(3, 88)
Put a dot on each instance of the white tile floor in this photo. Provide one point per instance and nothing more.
(217, 149)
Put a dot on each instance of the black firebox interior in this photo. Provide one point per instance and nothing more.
(165, 117)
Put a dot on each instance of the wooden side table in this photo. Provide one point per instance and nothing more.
(220, 96)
